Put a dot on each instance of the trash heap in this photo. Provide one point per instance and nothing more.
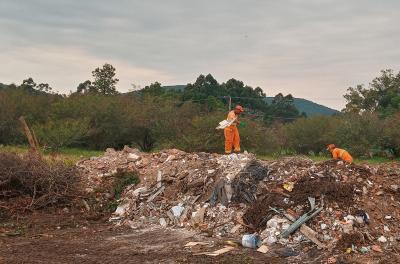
(180, 189)
(344, 207)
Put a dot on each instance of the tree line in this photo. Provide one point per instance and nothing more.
(97, 116)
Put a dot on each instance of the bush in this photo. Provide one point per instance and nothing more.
(43, 183)
(62, 133)
(391, 135)
(360, 134)
(310, 134)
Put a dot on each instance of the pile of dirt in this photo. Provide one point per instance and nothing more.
(331, 190)
(260, 212)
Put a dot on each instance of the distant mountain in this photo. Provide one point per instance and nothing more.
(310, 108)
(303, 105)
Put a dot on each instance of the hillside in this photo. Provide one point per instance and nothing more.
(303, 105)
(310, 108)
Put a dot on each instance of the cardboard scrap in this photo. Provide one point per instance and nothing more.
(217, 252)
(194, 243)
(263, 249)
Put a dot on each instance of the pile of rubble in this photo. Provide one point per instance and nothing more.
(347, 207)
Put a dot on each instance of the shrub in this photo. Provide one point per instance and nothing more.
(43, 183)
(62, 133)
(310, 134)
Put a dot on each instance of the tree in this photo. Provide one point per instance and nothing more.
(29, 85)
(282, 109)
(154, 89)
(85, 87)
(104, 81)
(381, 96)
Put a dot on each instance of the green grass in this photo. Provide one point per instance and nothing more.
(69, 155)
(374, 160)
(72, 155)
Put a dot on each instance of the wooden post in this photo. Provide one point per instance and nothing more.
(28, 134)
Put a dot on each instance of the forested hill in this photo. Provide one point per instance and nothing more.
(309, 107)
(303, 105)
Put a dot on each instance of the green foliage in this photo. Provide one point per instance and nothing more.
(206, 90)
(382, 95)
(282, 109)
(155, 118)
(104, 82)
(360, 134)
(56, 134)
(122, 180)
(154, 89)
(310, 134)
(391, 135)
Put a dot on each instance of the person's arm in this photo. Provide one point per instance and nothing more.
(231, 117)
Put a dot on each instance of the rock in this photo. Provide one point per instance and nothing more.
(349, 217)
(133, 157)
(323, 226)
(382, 239)
(360, 220)
(394, 187)
(110, 151)
(388, 217)
(386, 228)
(127, 149)
(364, 250)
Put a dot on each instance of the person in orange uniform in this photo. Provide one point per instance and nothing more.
(232, 138)
(338, 153)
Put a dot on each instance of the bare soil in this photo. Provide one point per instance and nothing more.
(58, 237)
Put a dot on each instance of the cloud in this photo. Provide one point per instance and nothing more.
(67, 67)
(313, 49)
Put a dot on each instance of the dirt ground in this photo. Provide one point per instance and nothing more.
(60, 236)
(57, 237)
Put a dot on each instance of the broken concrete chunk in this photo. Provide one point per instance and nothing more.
(133, 157)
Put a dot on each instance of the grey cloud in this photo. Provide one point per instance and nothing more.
(308, 48)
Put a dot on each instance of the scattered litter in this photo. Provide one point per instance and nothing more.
(251, 241)
(288, 186)
(263, 249)
(364, 250)
(217, 252)
(377, 248)
(382, 239)
(232, 195)
(192, 244)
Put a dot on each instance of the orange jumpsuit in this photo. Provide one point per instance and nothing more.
(231, 133)
(342, 154)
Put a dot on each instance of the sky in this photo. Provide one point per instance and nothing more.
(313, 49)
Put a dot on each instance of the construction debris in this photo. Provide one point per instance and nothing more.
(233, 195)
